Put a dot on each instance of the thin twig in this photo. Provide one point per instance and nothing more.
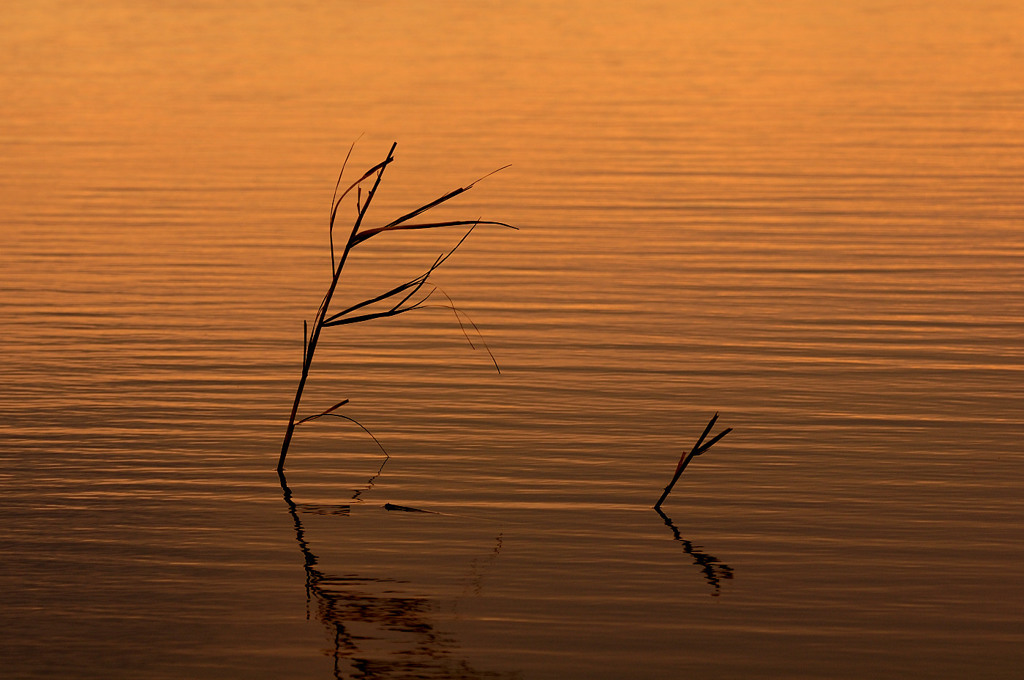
(330, 232)
(351, 420)
(458, 317)
(698, 449)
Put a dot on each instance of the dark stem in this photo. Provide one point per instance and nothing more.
(318, 322)
(698, 448)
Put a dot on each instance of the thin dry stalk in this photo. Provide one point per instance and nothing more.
(405, 297)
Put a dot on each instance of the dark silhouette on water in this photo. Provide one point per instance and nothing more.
(415, 648)
(698, 448)
(416, 293)
(715, 571)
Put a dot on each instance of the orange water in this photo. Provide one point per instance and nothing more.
(804, 217)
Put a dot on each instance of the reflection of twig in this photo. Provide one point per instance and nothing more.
(371, 480)
(714, 569)
(300, 537)
(479, 568)
(698, 448)
(361, 621)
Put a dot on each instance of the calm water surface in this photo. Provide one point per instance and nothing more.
(804, 216)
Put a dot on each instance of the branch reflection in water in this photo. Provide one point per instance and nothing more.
(395, 638)
(715, 571)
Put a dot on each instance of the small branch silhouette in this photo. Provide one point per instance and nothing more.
(698, 448)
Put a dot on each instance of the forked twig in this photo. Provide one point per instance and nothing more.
(684, 460)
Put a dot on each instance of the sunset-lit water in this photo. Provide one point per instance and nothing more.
(804, 216)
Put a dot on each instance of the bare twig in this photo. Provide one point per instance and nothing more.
(684, 460)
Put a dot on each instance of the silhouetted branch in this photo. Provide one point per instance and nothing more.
(400, 299)
(698, 448)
